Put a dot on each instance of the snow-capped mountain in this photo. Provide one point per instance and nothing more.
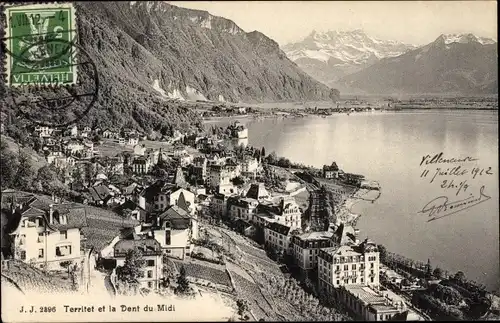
(327, 56)
(462, 63)
(464, 39)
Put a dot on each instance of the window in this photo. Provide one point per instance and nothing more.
(338, 267)
(167, 238)
(353, 281)
(362, 280)
(354, 267)
(346, 267)
(371, 279)
(22, 254)
(371, 265)
(150, 274)
(64, 235)
(151, 263)
(150, 284)
(338, 282)
(63, 251)
(40, 253)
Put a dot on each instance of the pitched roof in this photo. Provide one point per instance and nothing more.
(99, 192)
(175, 218)
(179, 179)
(181, 203)
(257, 191)
(146, 246)
(76, 216)
(278, 227)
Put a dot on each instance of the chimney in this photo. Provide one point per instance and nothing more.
(51, 213)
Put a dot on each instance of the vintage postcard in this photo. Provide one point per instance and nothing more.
(249, 161)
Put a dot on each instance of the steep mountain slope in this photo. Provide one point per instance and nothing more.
(463, 64)
(330, 55)
(150, 52)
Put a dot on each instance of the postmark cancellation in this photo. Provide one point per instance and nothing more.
(38, 42)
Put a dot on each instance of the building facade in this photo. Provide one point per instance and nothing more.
(306, 248)
(348, 265)
(152, 255)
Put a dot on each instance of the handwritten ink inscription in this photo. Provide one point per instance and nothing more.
(458, 177)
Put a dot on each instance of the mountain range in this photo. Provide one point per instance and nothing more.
(461, 64)
(357, 63)
(328, 56)
(151, 52)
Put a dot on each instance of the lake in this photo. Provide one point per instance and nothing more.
(388, 147)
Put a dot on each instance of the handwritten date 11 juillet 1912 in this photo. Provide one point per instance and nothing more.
(452, 177)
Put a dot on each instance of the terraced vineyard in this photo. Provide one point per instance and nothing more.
(270, 295)
(30, 279)
(256, 302)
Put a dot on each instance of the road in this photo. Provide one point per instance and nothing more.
(93, 281)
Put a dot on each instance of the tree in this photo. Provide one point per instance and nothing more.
(382, 253)
(242, 307)
(238, 181)
(24, 176)
(438, 273)
(8, 165)
(37, 145)
(459, 276)
(272, 158)
(428, 269)
(182, 282)
(239, 151)
(66, 264)
(46, 177)
(131, 270)
(96, 139)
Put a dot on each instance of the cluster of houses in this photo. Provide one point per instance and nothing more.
(46, 232)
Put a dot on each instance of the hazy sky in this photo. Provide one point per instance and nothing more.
(416, 22)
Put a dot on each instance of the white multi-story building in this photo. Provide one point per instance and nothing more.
(278, 237)
(171, 196)
(348, 265)
(249, 166)
(174, 229)
(47, 234)
(152, 254)
(219, 176)
(242, 208)
(306, 248)
(44, 131)
(141, 165)
(286, 212)
(218, 205)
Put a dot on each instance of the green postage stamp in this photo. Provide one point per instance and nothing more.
(38, 43)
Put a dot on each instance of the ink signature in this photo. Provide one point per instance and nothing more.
(441, 206)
